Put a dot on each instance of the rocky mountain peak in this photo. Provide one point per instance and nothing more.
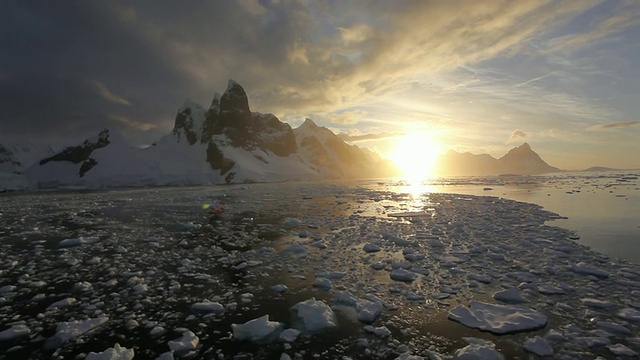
(309, 124)
(234, 99)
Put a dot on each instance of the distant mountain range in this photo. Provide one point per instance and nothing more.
(226, 143)
(521, 160)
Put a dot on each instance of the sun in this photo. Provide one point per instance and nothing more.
(416, 155)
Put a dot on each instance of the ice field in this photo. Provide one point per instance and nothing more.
(305, 270)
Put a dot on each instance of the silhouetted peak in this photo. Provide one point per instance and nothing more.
(234, 98)
(309, 123)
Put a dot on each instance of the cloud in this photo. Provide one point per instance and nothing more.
(624, 17)
(369, 137)
(614, 125)
(535, 79)
(347, 117)
(135, 124)
(292, 57)
(517, 136)
(108, 95)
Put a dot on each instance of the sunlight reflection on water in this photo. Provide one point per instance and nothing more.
(602, 207)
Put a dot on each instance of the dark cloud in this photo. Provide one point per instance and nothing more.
(72, 68)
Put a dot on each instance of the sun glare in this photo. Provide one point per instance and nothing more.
(416, 155)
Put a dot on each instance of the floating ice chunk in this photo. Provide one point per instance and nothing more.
(398, 240)
(403, 275)
(510, 296)
(486, 351)
(498, 319)
(550, 290)
(485, 279)
(157, 331)
(78, 241)
(280, 288)
(66, 331)
(334, 275)
(291, 222)
(140, 289)
(189, 226)
(593, 341)
(115, 353)
(322, 283)
(345, 298)
(289, 335)
(312, 316)
(630, 315)
(368, 311)
(297, 249)
(259, 330)
(621, 350)
(588, 269)
(188, 341)
(381, 332)
(319, 245)
(166, 356)
(7, 289)
(413, 257)
(370, 248)
(598, 304)
(614, 328)
(408, 356)
(14, 332)
(63, 303)
(207, 307)
(538, 346)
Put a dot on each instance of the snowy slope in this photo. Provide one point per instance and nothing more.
(331, 157)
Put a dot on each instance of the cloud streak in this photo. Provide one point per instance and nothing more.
(369, 137)
(614, 125)
(109, 96)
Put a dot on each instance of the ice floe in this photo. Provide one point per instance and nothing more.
(259, 330)
(117, 352)
(498, 319)
(313, 316)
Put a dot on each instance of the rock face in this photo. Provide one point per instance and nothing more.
(230, 115)
(521, 160)
(81, 153)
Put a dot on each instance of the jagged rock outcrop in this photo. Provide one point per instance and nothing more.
(81, 153)
(230, 115)
(188, 122)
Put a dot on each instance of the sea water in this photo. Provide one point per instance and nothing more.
(603, 208)
(135, 261)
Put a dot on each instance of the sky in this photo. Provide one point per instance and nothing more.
(477, 76)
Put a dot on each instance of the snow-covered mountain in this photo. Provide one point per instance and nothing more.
(331, 156)
(14, 158)
(521, 160)
(226, 143)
